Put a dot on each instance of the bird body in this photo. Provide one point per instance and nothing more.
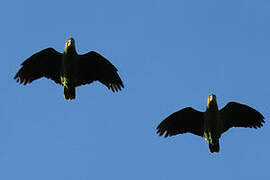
(69, 69)
(212, 123)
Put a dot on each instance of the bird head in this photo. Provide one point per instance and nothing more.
(70, 44)
(211, 100)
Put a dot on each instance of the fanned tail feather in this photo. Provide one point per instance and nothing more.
(69, 93)
(214, 146)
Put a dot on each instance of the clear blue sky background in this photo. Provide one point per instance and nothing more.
(170, 54)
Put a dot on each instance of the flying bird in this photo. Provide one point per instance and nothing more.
(69, 69)
(211, 123)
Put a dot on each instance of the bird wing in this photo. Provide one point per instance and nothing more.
(183, 121)
(45, 63)
(240, 115)
(92, 66)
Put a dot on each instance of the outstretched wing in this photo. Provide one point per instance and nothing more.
(240, 115)
(45, 63)
(183, 121)
(92, 66)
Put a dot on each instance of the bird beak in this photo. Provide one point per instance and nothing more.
(211, 98)
(69, 43)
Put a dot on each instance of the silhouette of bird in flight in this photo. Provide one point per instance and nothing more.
(211, 123)
(69, 69)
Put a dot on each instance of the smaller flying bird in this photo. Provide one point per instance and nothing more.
(69, 69)
(211, 123)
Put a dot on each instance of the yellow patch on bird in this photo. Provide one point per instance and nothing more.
(208, 137)
(64, 81)
(208, 101)
(66, 48)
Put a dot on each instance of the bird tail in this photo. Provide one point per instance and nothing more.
(69, 93)
(214, 146)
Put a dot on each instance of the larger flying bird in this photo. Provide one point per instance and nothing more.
(211, 123)
(69, 69)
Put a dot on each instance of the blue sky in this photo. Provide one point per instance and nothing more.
(170, 55)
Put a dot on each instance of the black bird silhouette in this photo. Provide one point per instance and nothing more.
(69, 69)
(211, 123)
